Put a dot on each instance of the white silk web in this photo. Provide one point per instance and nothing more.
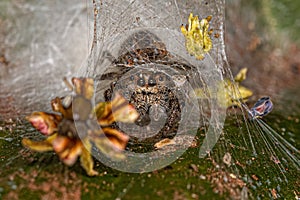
(244, 145)
(49, 40)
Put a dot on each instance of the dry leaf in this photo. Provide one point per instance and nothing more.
(164, 143)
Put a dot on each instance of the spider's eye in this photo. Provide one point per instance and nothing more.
(141, 82)
(151, 81)
(161, 78)
(131, 77)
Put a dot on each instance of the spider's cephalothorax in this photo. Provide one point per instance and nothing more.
(145, 78)
(142, 47)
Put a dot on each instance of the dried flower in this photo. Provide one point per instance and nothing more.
(230, 93)
(234, 93)
(197, 35)
(70, 141)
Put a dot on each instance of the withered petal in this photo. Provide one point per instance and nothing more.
(126, 114)
(84, 87)
(82, 108)
(123, 111)
(63, 154)
(39, 146)
(117, 138)
(69, 156)
(57, 106)
(118, 110)
(44, 122)
(101, 109)
(86, 160)
(61, 143)
(104, 114)
(241, 75)
(105, 145)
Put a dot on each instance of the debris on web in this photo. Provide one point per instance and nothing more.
(197, 36)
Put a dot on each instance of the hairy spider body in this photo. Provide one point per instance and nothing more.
(142, 79)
